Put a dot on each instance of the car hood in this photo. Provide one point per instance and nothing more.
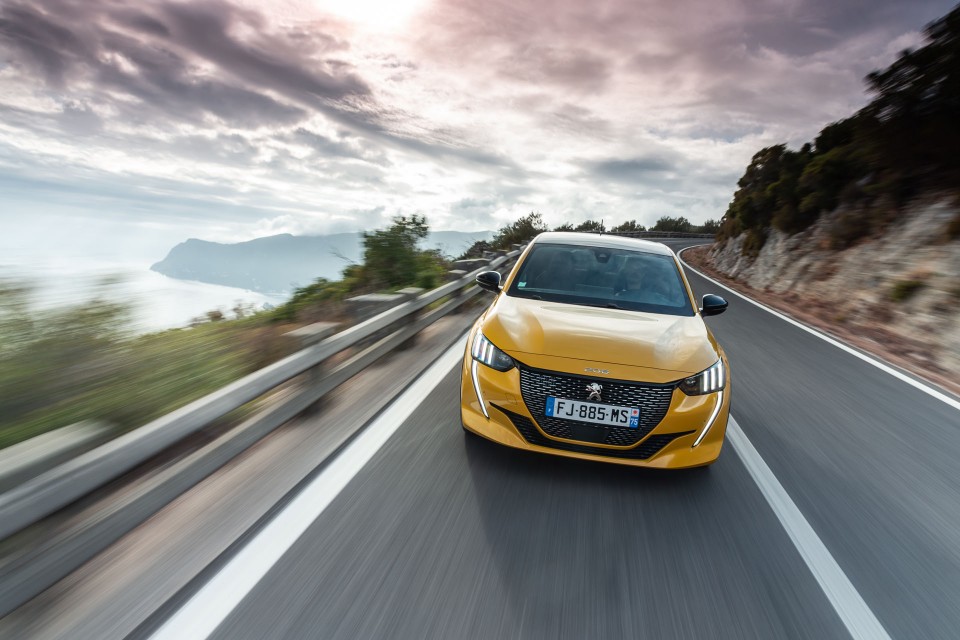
(521, 326)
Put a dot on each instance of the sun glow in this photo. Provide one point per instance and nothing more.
(376, 14)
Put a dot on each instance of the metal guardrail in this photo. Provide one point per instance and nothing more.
(58, 487)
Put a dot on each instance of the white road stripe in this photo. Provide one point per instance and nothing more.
(866, 358)
(849, 605)
(202, 614)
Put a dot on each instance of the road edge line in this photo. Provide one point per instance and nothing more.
(203, 613)
(856, 616)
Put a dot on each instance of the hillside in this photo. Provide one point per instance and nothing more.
(896, 294)
(279, 264)
(858, 231)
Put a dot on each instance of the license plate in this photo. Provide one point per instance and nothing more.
(592, 412)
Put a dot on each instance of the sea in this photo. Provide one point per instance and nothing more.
(157, 302)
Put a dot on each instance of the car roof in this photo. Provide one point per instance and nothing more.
(602, 240)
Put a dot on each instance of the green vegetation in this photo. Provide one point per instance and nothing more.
(76, 363)
(523, 230)
(901, 145)
(905, 289)
(953, 228)
(392, 260)
(630, 226)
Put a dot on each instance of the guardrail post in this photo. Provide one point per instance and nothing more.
(307, 337)
(409, 293)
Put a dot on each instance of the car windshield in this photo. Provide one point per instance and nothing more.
(602, 277)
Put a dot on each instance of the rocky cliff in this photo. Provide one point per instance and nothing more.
(896, 294)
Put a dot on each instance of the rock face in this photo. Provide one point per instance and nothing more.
(905, 282)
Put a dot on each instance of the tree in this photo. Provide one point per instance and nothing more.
(523, 230)
(630, 226)
(917, 107)
(710, 226)
(391, 256)
(668, 224)
(901, 144)
(595, 226)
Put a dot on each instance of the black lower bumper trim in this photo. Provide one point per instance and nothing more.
(643, 451)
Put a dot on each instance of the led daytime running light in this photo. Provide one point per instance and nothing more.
(708, 381)
(486, 353)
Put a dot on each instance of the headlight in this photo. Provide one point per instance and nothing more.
(709, 381)
(484, 351)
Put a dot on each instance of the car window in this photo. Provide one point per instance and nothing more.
(602, 277)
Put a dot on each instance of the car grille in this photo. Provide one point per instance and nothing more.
(646, 449)
(652, 399)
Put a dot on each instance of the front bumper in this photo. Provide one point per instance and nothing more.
(505, 418)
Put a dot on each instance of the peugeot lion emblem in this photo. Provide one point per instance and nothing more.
(594, 390)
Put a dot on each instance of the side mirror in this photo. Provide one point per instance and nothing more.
(713, 305)
(489, 280)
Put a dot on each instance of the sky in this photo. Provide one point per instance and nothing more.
(136, 125)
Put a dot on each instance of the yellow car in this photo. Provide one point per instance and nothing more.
(594, 348)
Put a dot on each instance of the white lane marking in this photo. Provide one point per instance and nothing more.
(875, 362)
(202, 614)
(846, 600)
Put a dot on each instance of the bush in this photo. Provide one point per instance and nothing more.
(65, 365)
(710, 226)
(847, 227)
(953, 228)
(730, 227)
(753, 243)
(905, 289)
(476, 250)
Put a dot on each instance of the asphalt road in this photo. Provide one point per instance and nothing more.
(446, 536)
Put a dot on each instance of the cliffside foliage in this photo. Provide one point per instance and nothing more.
(904, 143)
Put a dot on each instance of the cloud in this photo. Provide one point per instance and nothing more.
(180, 62)
(326, 146)
(577, 69)
(236, 112)
(79, 119)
